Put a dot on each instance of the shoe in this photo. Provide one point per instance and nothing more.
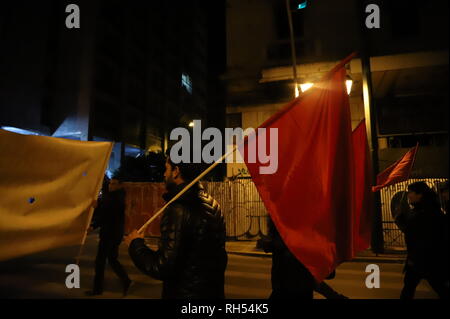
(127, 286)
(92, 293)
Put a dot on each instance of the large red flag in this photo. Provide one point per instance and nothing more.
(364, 203)
(397, 172)
(310, 196)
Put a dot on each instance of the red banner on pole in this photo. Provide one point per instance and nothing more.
(310, 197)
(397, 172)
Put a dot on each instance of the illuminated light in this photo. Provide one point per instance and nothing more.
(302, 5)
(18, 130)
(186, 82)
(348, 84)
(191, 124)
(297, 93)
(306, 86)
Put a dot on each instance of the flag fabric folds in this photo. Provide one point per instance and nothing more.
(311, 197)
(363, 196)
(397, 172)
(47, 186)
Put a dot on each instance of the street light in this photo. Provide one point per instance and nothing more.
(191, 124)
(306, 86)
(297, 93)
(348, 84)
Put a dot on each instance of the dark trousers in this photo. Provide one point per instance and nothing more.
(412, 280)
(108, 250)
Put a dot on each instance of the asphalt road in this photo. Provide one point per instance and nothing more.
(44, 276)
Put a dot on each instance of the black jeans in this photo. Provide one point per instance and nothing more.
(412, 279)
(108, 250)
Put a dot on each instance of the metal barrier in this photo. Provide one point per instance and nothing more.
(244, 212)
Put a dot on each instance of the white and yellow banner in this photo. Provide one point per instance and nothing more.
(47, 186)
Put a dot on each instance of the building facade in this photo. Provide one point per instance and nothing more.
(130, 74)
(409, 64)
(409, 73)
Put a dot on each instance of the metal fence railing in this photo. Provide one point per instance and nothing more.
(244, 212)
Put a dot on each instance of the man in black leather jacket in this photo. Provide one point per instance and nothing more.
(191, 257)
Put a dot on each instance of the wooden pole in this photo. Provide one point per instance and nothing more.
(184, 190)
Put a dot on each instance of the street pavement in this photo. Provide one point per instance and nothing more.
(247, 276)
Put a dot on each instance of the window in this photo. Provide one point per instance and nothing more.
(186, 82)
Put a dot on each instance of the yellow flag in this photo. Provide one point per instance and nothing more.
(47, 186)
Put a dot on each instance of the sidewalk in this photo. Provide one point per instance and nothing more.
(248, 248)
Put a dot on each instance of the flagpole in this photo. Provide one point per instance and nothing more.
(294, 55)
(91, 208)
(410, 171)
(80, 251)
(371, 127)
(184, 190)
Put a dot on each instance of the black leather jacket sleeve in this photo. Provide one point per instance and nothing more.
(161, 264)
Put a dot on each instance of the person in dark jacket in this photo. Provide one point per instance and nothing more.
(191, 257)
(110, 217)
(290, 278)
(426, 236)
(287, 272)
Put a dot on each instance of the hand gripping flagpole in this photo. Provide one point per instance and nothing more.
(184, 190)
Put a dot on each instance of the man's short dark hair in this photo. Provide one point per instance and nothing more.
(419, 188)
(189, 171)
(428, 194)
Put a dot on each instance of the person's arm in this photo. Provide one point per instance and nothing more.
(401, 219)
(161, 264)
(98, 214)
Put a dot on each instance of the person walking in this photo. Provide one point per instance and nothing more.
(290, 278)
(426, 236)
(191, 257)
(109, 216)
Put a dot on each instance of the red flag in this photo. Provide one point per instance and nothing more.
(397, 172)
(364, 204)
(310, 196)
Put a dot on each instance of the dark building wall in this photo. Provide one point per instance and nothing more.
(24, 38)
(411, 102)
(119, 75)
(410, 26)
(326, 30)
